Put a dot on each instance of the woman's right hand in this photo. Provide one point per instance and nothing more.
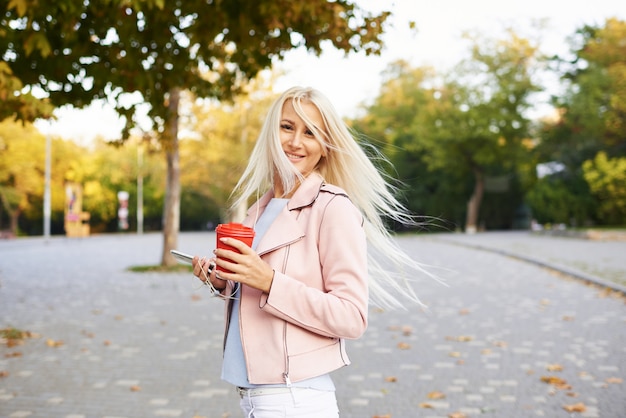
(204, 269)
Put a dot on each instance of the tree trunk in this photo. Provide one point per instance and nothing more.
(473, 204)
(14, 217)
(171, 208)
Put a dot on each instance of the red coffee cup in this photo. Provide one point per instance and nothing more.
(233, 230)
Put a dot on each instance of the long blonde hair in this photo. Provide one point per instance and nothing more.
(346, 165)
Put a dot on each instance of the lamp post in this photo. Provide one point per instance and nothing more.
(140, 188)
(46, 193)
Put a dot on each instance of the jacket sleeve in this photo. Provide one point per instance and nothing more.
(339, 310)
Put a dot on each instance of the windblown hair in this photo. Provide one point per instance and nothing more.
(347, 165)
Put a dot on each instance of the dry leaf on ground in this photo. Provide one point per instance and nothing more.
(555, 381)
(554, 368)
(577, 407)
(436, 395)
(52, 343)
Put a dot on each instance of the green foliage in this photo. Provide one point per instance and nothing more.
(21, 169)
(607, 183)
(589, 134)
(111, 49)
(445, 134)
(562, 198)
(79, 51)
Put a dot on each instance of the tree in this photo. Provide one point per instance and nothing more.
(80, 51)
(607, 180)
(21, 160)
(224, 135)
(470, 124)
(485, 126)
(399, 118)
(591, 120)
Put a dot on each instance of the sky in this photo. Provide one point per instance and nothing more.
(354, 80)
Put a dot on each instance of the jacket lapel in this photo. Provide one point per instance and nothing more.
(286, 229)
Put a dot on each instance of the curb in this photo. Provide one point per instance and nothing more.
(577, 274)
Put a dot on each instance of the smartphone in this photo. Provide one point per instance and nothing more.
(186, 258)
(182, 257)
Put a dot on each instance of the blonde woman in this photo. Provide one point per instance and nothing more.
(303, 287)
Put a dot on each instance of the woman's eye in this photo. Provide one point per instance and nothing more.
(286, 127)
(310, 133)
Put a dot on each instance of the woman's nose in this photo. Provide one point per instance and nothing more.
(296, 139)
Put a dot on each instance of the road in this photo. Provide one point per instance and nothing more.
(507, 337)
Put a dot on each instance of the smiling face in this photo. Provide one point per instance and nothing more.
(298, 140)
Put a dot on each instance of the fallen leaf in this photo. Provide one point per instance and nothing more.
(426, 405)
(568, 318)
(555, 381)
(106, 343)
(461, 338)
(118, 317)
(13, 354)
(135, 388)
(391, 379)
(554, 368)
(457, 415)
(4, 373)
(464, 312)
(407, 330)
(436, 395)
(52, 343)
(614, 380)
(486, 351)
(455, 354)
(382, 416)
(196, 297)
(577, 407)
(404, 346)
(10, 342)
(572, 394)
(500, 344)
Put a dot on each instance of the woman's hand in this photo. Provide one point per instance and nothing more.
(201, 269)
(246, 266)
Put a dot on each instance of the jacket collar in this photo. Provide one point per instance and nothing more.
(307, 192)
(289, 230)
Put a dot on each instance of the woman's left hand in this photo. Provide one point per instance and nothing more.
(246, 266)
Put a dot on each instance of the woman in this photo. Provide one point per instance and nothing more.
(304, 285)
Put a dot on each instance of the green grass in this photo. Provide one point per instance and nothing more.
(178, 268)
(13, 334)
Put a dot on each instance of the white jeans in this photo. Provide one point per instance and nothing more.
(299, 403)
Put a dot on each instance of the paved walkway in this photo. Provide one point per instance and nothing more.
(506, 338)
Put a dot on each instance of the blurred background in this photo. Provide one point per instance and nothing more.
(133, 116)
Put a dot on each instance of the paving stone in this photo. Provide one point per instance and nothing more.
(112, 343)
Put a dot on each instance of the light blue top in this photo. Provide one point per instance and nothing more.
(234, 365)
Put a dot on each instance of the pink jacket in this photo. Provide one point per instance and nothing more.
(319, 294)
